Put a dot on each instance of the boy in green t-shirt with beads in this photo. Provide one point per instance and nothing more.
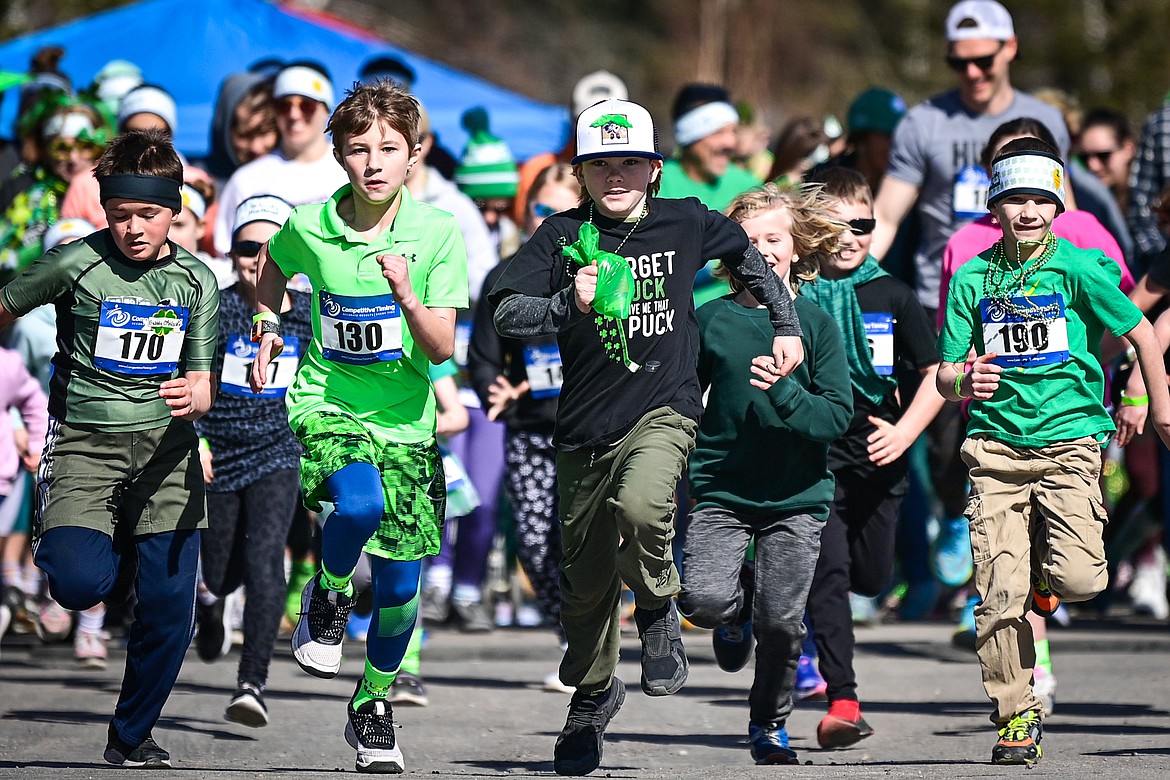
(1034, 308)
(387, 274)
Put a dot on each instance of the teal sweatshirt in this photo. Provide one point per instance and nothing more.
(764, 452)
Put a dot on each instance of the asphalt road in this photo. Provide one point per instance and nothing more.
(488, 716)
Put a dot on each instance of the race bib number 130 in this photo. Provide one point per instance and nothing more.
(360, 330)
(140, 340)
(1022, 341)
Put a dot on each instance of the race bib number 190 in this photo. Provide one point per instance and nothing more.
(360, 330)
(1022, 341)
(140, 340)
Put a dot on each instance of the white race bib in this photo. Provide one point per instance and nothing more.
(139, 339)
(1021, 341)
(360, 329)
(879, 332)
(543, 366)
(453, 470)
(237, 367)
(969, 194)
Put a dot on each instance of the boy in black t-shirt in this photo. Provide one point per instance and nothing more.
(888, 335)
(630, 398)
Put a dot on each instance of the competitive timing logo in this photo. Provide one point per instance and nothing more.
(242, 348)
(996, 311)
(119, 317)
(331, 307)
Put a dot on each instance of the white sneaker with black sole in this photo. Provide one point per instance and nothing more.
(247, 707)
(316, 641)
(370, 731)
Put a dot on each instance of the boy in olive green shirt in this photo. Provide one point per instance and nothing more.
(387, 274)
(120, 490)
(1034, 307)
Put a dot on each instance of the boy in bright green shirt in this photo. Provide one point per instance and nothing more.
(387, 274)
(1034, 308)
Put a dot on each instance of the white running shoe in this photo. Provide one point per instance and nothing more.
(370, 731)
(316, 641)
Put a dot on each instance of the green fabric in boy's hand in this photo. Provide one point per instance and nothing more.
(615, 280)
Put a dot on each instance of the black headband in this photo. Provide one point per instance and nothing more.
(139, 187)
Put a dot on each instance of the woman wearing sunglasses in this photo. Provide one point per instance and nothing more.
(250, 460)
(68, 136)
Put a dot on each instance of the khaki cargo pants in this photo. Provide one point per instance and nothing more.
(1035, 512)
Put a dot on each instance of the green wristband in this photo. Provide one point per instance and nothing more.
(1137, 400)
(959, 385)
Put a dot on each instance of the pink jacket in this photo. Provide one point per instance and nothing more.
(1079, 228)
(19, 390)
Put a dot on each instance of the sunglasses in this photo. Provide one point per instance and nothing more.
(246, 248)
(861, 227)
(307, 106)
(1101, 157)
(959, 64)
(61, 148)
(495, 206)
(542, 210)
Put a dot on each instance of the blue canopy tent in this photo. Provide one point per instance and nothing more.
(189, 47)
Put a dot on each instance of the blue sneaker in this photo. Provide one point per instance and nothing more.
(952, 552)
(733, 646)
(965, 636)
(769, 745)
(810, 686)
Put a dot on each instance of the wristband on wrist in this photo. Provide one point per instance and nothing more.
(1134, 400)
(265, 322)
(959, 385)
(204, 444)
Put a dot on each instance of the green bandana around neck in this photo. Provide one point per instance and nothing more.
(838, 297)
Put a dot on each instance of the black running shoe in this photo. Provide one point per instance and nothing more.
(1019, 740)
(247, 706)
(213, 639)
(316, 641)
(733, 646)
(147, 755)
(578, 748)
(370, 731)
(664, 662)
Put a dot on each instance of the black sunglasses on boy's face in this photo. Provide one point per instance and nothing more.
(984, 63)
(861, 227)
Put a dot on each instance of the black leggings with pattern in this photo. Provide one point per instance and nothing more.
(244, 545)
(531, 485)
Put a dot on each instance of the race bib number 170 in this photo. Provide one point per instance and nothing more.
(140, 340)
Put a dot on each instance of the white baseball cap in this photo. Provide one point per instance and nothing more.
(616, 128)
(147, 99)
(64, 230)
(262, 208)
(976, 19)
(304, 81)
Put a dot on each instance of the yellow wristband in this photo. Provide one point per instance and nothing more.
(959, 385)
(1137, 400)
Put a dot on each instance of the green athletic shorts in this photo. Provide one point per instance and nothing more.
(133, 482)
(413, 482)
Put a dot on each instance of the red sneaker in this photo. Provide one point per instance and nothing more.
(1044, 601)
(843, 726)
